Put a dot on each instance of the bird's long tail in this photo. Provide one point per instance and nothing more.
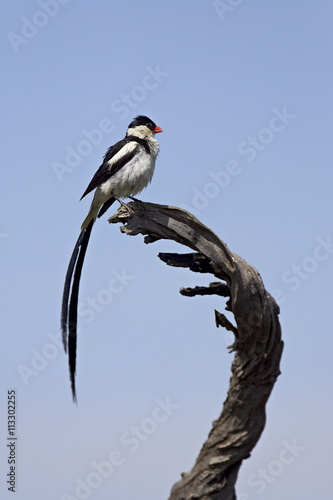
(70, 301)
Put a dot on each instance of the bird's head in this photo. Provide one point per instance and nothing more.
(143, 127)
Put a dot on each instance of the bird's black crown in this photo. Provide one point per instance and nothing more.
(142, 120)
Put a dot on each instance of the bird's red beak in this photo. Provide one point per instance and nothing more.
(157, 130)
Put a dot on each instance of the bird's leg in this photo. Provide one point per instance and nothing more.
(123, 204)
(139, 202)
(119, 200)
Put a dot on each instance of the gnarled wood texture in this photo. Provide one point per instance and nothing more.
(258, 345)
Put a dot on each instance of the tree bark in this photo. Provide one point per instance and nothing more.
(258, 345)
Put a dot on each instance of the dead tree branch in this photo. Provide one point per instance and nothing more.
(258, 345)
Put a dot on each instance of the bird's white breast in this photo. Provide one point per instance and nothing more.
(134, 176)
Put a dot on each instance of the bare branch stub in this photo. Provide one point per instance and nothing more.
(195, 261)
(213, 289)
(258, 346)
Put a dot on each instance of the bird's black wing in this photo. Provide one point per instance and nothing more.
(107, 169)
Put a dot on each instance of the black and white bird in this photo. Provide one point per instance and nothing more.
(127, 168)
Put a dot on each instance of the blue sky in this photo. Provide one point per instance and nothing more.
(243, 92)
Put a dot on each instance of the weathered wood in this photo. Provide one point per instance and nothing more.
(196, 262)
(213, 289)
(258, 345)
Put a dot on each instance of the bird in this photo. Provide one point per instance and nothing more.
(128, 167)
